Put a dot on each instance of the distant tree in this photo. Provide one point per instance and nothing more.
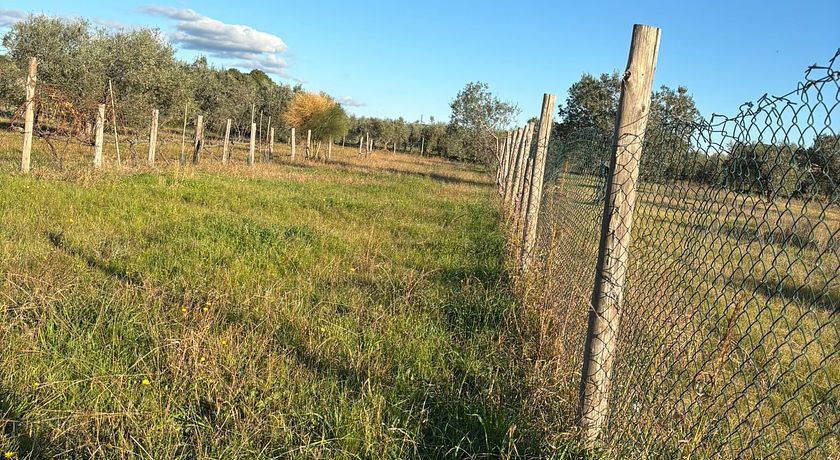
(477, 118)
(768, 169)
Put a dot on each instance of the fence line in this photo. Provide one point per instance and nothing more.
(729, 345)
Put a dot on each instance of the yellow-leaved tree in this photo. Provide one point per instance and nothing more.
(319, 113)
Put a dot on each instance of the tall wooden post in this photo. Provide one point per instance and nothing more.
(534, 195)
(517, 173)
(226, 145)
(253, 144)
(422, 146)
(329, 150)
(199, 139)
(509, 158)
(308, 151)
(611, 268)
(294, 141)
(100, 136)
(29, 115)
(525, 185)
(361, 141)
(270, 142)
(153, 132)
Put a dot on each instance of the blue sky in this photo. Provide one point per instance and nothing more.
(403, 58)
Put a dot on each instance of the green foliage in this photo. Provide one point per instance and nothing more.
(770, 170)
(477, 116)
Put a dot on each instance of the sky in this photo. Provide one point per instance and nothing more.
(409, 59)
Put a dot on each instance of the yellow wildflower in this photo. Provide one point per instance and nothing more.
(146, 382)
(9, 454)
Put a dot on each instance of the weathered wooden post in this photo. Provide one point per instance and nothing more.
(525, 186)
(270, 142)
(502, 164)
(329, 150)
(516, 176)
(100, 136)
(226, 144)
(293, 144)
(611, 268)
(509, 158)
(308, 151)
(253, 144)
(199, 139)
(184, 137)
(29, 115)
(534, 195)
(422, 146)
(153, 132)
(361, 141)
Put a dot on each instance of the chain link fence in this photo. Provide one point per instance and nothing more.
(728, 343)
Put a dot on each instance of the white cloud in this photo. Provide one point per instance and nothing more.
(9, 17)
(350, 102)
(248, 46)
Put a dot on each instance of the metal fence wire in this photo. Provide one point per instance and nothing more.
(728, 337)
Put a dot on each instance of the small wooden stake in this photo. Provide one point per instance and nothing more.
(29, 116)
(153, 133)
(617, 222)
(270, 143)
(100, 135)
(226, 145)
(114, 122)
(294, 141)
(199, 139)
(253, 144)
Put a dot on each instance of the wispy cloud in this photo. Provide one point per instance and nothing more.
(247, 46)
(348, 101)
(9, 17)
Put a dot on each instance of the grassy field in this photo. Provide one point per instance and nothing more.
(353, 310)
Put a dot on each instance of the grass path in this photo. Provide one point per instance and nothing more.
(358, 310)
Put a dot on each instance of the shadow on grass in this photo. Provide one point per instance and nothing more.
(447, 179)
(110, 269)
(30, 444)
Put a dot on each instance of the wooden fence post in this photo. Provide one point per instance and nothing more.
(293, 144)
(153, 132)
(253, 144)
(270, 141)
(308, 151)
(534, 195)
(525, 185)
(519, 176)
(516, 138)
(329, 150)
(617, 222)
(226, 145)
(199, 139)
(184, 136)
(361, 140)
(114, 121)
(100, 135)
(501, 170)
(29, 116)
(422, 146)
(509, 162)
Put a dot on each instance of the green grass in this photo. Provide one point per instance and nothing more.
(292, 312)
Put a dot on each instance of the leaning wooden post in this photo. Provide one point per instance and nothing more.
(100, 136)
(534, 196)
(153, 132)
(617, 222)
(270, 142)
(29, 116)
(308, 151)
(253, 144)
(422, 146)
(226, 145)
(293, 144)
(361, 141)
(199, 139)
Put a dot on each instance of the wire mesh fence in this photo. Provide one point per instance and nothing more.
(728, 343)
